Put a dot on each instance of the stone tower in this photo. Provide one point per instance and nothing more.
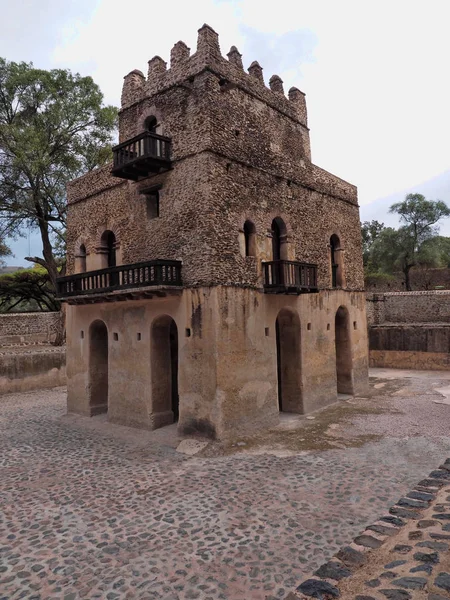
(215, 273)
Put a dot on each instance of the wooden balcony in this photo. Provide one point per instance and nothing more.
(143, 155)
(289, 277)
(124, 282)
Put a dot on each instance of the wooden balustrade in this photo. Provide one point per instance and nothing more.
(142, 155)
(289, 277)
(151, 273)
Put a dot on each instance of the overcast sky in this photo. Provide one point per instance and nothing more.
(375, 73)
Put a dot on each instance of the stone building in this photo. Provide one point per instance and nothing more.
(215, 273)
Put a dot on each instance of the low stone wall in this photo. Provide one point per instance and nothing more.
(408, 307)
(23, 370)
(20, 328)
(409, 330)
(402, 556)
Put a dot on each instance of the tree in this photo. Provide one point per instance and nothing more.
(27, 289)
(420, 217)
(53, 128)
(415, 243)
(370, 230)
(4, 251)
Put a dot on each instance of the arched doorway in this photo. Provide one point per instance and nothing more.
(344, 371)
(98, 368)
(164, 368)
(279, 239)
(289, 372)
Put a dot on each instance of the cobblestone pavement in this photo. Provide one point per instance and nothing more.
(403, 556)
(93, 510)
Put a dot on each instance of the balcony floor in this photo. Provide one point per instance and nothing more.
(138, 293)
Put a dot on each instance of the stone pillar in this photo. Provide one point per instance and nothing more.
(132, 87)
(276, 84)
(235, 57)
(179, 54)
(255, 70)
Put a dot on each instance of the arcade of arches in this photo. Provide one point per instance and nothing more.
(163, 366)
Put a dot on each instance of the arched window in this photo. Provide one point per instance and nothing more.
(250, 238)
(279, 239)
(108, 243)
(80, 259)
(336, 261)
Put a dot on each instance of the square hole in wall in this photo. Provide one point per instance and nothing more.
(188, 332)
(328, 327)
(266, 331)
(355, 325)
(308, 327)
(139, 337)
(82, 334)
(115, 337)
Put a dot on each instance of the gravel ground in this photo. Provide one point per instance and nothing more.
(93, 510)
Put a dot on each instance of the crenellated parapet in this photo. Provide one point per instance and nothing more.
(208, 57)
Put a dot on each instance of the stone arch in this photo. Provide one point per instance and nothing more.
(336, 259)
(98, 368)
(108, 248)
(344, 366)
(289, 367)
(80, 257)
(150, 113)
(164, 370)
(279, 239)
(250, 238)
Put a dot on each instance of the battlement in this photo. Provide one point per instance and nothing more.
(230, 71)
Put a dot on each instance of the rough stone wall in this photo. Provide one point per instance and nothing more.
(32, 369)
(409, 307)
(227, 367)
(421, 280)
(19, 328)
(240, 151)
(409, 330)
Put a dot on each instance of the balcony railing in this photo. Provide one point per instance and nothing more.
(142, 155)
(163, 273)
(289, 277)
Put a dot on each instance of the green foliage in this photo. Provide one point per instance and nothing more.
(414, 244)
(370, 230)
(4, 251)
(27, 289)
(53, 128)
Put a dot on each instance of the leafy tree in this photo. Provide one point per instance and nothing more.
(420, 217)
(27, 289)
(53, 128)
(370, 230)
(4, 251)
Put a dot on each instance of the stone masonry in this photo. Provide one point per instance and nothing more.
(241, 191)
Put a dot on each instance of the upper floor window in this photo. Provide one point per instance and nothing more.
(108, 244)
(250, 238)
(336, 261)
(152, 125)
(80, 259)
(152, 204)
(279, 239)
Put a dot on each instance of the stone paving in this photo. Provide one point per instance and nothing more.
(93, 510)
(403, 556)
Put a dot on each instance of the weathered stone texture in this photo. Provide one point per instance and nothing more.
(19, 328)
(409, 330)
(239, 151)
(410, 307)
